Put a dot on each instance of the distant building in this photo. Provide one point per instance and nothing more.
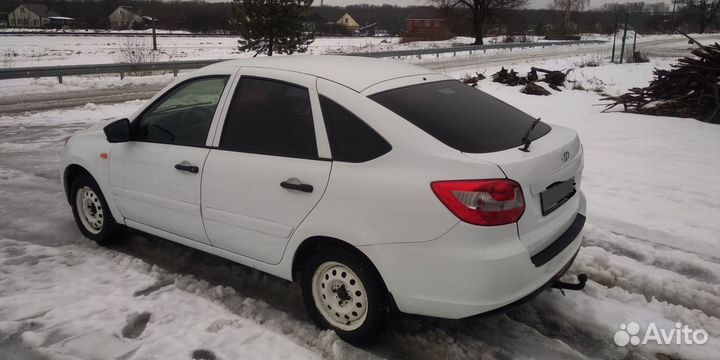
(125, 18)
(61, 22)
(31, 16)
(348, 23)
(313, 22)
(424, 20)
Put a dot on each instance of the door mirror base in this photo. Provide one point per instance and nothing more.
(117, 131)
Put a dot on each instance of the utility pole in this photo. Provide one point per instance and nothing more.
(673, 17)
(614, 37)
(622, 50)
(154, 35)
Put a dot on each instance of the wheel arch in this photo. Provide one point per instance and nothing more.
(77, 167)
(71, 172)
(312, 244)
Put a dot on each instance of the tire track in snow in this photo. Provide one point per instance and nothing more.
(664, 257)
(652, 282)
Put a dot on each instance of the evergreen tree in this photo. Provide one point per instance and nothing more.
(272, 26)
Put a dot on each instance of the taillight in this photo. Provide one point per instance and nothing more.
(482, 202)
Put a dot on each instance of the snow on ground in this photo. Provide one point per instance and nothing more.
(38, 50)
(42, 50)
(78, 83)
(651, 249)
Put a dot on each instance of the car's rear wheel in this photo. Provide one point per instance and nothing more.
(91, 211)
(343, 292)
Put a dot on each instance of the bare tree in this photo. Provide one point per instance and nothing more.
(481, 11)
(569, 6)
(705, 10)
(503, 5)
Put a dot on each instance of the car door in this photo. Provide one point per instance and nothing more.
(155, 177)
(267, 169)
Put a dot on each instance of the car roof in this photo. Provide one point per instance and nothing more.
(357, 73)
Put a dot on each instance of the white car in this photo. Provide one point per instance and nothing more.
(380, 186)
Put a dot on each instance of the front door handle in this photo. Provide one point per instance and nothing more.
(295, 184)
(189, 168)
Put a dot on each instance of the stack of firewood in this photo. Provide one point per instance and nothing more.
(690, 89)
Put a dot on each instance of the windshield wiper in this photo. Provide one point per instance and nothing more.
(526, 139)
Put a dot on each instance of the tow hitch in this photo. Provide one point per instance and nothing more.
(561, 285)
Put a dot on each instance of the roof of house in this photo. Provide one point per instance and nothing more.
(41, 10)
(129, 9)
(426, 13)
(357, 73)
(347, 20)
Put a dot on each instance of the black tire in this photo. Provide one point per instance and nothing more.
(110, 231)
(378, 305)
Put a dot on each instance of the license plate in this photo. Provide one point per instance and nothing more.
(557, 194)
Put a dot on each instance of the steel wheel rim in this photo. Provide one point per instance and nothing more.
(90, 210)
(340, 296)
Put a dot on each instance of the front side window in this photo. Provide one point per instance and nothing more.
(184, 115)
(271, 118)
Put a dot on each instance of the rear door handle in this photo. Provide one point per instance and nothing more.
(188, 168)
(296, 185)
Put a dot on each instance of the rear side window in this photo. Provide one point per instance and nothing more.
(351, 140)
(272, 118)
(460, 116)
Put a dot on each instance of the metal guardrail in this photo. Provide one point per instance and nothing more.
(108, 33)
(175, 66)
(122, 69)
(472, 48)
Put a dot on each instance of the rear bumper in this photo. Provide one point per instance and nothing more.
(464, 273)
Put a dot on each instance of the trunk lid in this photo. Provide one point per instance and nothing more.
(552, 159)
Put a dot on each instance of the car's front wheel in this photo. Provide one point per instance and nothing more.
(343, 292)
(91, 211)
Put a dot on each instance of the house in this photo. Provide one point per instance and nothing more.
(348, 23)
(125, 18)
(31, 16)
(3, 20)
(313, 22)
(424, 20)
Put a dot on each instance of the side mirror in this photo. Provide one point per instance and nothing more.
(117, 131)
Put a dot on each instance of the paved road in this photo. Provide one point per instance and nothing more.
(47, 101)
(676, 47)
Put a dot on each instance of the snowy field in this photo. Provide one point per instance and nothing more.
(37, 50)
(651, 249)
(42, 50)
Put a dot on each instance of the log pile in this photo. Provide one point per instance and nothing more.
(533, 89)
(472, 80)
(690, 89)
(554, 78)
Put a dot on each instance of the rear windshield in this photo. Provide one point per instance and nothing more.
(460, 116)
